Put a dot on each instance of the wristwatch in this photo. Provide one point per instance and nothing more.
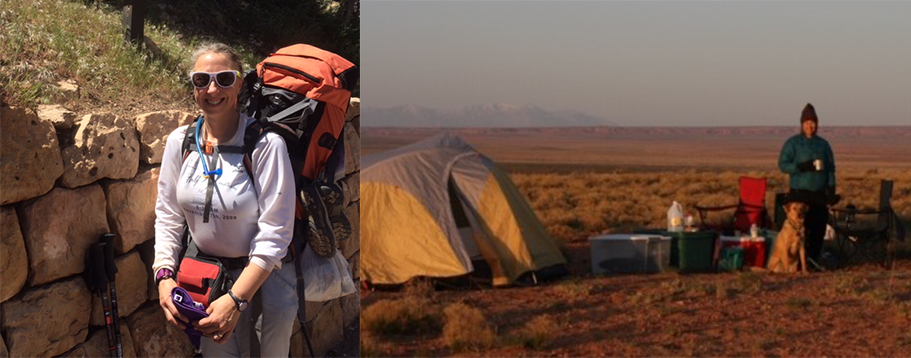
(241, 304)
(163, 273)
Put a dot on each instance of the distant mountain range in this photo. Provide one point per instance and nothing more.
(487, 116)
(885, 133)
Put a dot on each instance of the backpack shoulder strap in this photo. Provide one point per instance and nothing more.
(336, 160)
(189, 139)
(252, 135)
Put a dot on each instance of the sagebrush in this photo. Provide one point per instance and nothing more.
(409, 315)
(467, 328)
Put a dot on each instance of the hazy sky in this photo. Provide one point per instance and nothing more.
(645, 63)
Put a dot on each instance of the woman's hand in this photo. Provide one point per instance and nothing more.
(223, 317)
(806, 166)
(170, 311)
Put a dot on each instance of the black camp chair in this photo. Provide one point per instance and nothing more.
(867, 240)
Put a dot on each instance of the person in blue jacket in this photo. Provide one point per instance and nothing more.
(808, 160)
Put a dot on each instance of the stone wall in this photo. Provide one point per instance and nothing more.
(64, 181)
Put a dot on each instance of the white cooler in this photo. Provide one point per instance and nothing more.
(630, 253)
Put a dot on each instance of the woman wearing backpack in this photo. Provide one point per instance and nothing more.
(230, 213)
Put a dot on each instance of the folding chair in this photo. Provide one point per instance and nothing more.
(748, 211)
(858, 240)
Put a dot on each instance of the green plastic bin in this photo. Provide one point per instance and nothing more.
(696, 250)
(690, 251)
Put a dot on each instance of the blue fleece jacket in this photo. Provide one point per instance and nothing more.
(799, 149)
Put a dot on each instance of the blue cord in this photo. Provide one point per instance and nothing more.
(205, 168)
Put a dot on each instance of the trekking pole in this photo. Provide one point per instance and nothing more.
(307, 337)
(302, 309)
(98, 282)
(110, 270)
(298, 244)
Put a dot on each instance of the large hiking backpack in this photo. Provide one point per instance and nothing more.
(302, 93)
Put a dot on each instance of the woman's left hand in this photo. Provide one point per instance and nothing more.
(223, 317)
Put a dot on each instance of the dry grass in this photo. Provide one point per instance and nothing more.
(370, 347)
(407, 315)
(574, 289)
(419, 288)
(578, 205)
(467, 328)
(538, 333)
(799, 303)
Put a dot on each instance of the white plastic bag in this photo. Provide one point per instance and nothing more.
(675, 217)
(830, 233)
(325, 278)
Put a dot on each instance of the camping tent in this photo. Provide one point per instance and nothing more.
(432, 208)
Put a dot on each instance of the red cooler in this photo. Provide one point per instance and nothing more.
(753, 249)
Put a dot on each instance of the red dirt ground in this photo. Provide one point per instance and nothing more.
(860, 311)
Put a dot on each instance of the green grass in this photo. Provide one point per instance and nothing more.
(47, 41)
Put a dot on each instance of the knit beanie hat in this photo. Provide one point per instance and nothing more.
(809, 114)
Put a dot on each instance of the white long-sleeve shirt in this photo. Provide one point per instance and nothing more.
(246, 220)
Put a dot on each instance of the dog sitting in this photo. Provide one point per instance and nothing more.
(789, 245)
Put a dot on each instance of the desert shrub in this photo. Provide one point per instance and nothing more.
(467, 328)
(574, 289)
(798, 303)
(538, 332)
(748, 283)
(644, 298)
(369, 345)
(561, 232)
(409, 315)
(666, 291)
(845, 283)
(419, 288)
(880, 295)
(722, 289)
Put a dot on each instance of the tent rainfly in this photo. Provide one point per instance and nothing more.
(431, 208)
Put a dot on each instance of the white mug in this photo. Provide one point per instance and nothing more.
(817, 164)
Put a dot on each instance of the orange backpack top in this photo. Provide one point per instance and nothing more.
(306, 90)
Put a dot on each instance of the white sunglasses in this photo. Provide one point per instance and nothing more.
(223, 79)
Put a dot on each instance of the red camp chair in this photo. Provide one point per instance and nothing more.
(750, 210)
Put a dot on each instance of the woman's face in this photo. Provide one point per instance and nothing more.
(214, 100)
(809, 128)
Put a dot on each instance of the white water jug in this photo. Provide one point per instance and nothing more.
(675, 218)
